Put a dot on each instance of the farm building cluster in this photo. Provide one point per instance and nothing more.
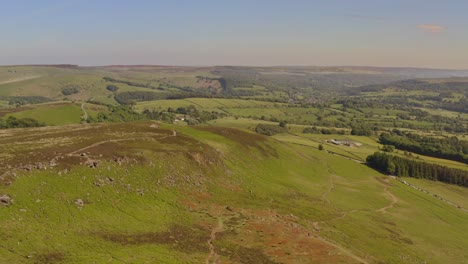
(344, 142)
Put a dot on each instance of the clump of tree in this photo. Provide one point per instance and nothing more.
(70, 89)
(117, 114)
(193, 116)
(324, 131)
(128, 98)
(446, 148)
(163, 115)
(388, 148)
(112, 88)
(13, 122)
(270, 130)
(361, 130)
(404, 167)
(129, 83)
(23, 100)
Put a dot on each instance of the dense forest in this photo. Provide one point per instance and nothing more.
(446, 148)
(404, 167)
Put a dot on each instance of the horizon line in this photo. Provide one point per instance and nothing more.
(212, 65)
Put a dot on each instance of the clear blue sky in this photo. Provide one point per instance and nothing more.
(419, 33)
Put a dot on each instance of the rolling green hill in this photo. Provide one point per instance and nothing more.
(146, 192)
(103, 183)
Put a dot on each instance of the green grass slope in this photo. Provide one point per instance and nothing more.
(150, 193)
(52, 114)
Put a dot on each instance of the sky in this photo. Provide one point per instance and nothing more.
(393, 33)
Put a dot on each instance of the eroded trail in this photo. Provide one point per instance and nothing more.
(85, 114)
(344, 214)
(392, 203)
(344, 250)
(331, 186)
(174, 134)
(213, 257)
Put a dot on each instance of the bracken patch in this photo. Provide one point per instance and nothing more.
(180, 238)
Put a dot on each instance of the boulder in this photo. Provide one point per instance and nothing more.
(5, 200)
(79, 202)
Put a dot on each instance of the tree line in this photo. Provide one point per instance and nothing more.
(446, 148)
(404, 167)
(23, 100)
(129, 83)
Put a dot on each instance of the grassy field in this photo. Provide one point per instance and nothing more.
(204, 104)
(175, 194)
(453, 193)
(53, 114)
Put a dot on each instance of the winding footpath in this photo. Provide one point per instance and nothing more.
(85, 114)
(213, 257)
(392, 196)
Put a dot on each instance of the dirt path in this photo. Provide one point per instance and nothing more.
(213, 257)
(104, 142)
(346, 251)
(85, 114)
(174, 134)
(392, 203)
(331, 186)
(20, 79)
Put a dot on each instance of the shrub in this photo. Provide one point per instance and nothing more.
(70, 89)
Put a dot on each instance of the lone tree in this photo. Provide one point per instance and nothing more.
(320, 147)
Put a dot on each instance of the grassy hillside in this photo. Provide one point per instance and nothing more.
(52, 114)
(145, 193)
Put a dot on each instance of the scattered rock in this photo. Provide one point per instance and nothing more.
(39, 166)
(79, 202)
(5, 200)
(99, 183)
(229, 208)
(92, 163)
(140, 192)
(52, 163)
